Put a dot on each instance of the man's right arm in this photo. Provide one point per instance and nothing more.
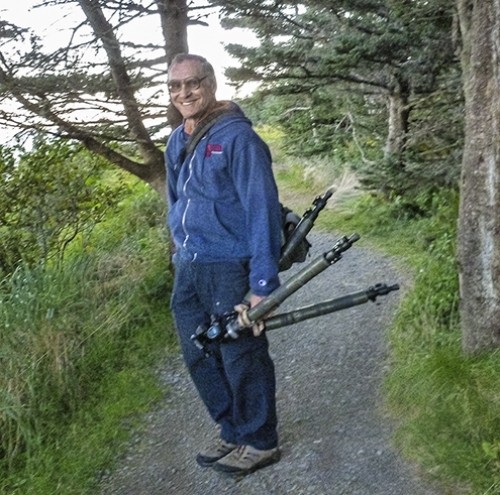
(171, 173)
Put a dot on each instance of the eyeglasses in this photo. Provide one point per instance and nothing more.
(191, 84)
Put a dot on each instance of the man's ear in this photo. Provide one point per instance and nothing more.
(213, 85)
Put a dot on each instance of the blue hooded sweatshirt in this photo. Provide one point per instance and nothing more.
(223, 199)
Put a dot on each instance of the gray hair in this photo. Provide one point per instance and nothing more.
(206, 66)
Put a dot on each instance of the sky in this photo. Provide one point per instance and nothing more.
(205, 41)
(209, 42)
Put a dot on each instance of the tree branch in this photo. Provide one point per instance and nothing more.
(104, 31)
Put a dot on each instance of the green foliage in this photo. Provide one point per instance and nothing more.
(78, 344)
(328, 75)
(433, 152)
(325, 122)
(49, 196)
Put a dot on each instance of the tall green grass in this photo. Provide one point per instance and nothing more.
(77, 347)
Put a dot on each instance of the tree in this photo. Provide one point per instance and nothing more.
(479, 217)
(397, 58)
(101, 87)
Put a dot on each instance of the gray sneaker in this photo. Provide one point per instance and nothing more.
(245, 459)
(212, 454)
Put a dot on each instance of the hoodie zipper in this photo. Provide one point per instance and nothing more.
(184, 214)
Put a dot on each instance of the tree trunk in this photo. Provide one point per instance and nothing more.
(479, 220)
(399, 113)
(174, 22)
(152, 168)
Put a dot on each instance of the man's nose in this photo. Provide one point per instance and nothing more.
(185, 90)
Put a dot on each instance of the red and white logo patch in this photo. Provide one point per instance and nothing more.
(213, 149)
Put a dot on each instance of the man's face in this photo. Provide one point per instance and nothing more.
(191, 103)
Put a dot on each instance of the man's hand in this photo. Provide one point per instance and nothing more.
(243, 321)
(254, 300)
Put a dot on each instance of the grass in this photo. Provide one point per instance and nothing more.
(79, 344)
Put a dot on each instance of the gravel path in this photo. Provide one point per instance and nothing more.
(334, 436)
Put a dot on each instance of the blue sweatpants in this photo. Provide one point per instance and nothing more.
(237, 383)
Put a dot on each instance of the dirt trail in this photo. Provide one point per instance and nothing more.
(335, 438)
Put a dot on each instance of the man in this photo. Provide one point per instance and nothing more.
(225, 220)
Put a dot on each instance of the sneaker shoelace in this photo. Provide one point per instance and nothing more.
(243, 453)
(223, 447)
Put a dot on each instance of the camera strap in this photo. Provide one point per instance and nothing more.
(202, 128)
